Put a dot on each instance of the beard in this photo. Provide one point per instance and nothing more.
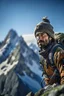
(43, 44)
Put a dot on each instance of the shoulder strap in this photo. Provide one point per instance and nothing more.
(51, 54)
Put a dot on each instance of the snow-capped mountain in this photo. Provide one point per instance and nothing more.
(8, 45)
(31, 42)
(35, 48)
(19, 66)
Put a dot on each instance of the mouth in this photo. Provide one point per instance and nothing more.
(40, 42)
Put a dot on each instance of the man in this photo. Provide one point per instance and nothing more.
(51, 53)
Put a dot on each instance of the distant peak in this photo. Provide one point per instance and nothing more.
(12, 31)
(11, 34)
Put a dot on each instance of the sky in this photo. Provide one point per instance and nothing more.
(23, 15)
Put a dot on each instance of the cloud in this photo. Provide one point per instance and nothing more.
(29, 38)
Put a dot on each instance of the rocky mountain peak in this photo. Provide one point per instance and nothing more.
(12, 34)
(17, 63)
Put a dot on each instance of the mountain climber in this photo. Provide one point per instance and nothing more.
(51, 53)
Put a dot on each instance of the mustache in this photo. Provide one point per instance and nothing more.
(40, 41)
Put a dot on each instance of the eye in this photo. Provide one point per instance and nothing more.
(37, 38)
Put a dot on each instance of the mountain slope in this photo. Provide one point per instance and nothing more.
(17, 64)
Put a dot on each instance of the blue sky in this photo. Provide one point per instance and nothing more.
(23, 15)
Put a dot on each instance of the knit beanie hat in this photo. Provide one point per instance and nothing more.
(44, 27)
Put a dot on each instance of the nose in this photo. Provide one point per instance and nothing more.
(40, 37)
(40, 40)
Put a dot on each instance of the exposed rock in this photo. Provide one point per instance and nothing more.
(30, 94)
(51, 90)
(12, 85)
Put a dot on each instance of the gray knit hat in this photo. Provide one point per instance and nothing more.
(43, 27)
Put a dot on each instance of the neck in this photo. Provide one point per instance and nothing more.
(46, 49)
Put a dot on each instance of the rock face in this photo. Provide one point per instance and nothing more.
(51, 90)
(20, 72)
(11, 85)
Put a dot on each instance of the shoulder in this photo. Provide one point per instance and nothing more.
(55, 49)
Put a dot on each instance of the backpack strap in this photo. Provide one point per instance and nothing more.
(51, 54)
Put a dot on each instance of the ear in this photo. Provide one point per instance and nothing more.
(50, 38)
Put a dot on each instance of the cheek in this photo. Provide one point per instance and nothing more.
(46, 38)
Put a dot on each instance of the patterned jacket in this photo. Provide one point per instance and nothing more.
(50, 59)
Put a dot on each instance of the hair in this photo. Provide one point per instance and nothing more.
(51, 39)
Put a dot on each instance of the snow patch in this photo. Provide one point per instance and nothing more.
(8, 40)
(7, 67)
(34, 68)
(25, 53)
(10, 67)
(2, 49)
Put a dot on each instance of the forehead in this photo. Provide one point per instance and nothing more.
(40, 33)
